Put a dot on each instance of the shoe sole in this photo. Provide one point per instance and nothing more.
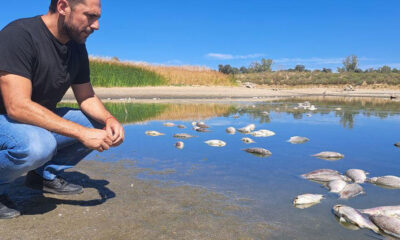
(52, 191)
(10, 216)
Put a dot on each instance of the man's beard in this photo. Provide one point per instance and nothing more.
(74, 34)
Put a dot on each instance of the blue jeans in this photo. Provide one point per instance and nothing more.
(26, 147)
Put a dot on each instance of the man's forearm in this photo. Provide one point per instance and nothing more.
(93, 107)
(30, 112)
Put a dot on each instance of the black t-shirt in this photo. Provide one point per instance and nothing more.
(29, 49)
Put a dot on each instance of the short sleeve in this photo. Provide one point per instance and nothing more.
(16, 51)
(84, 71)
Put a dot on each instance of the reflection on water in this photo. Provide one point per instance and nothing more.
(364, 131)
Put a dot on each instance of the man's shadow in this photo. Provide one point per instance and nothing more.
(32, 202)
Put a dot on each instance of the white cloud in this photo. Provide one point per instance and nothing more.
(221, 56)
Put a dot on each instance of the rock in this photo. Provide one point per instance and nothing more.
(169, 124)
(247, 140)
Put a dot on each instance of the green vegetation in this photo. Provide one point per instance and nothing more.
(114, 74)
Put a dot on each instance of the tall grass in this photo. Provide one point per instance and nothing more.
(320, 78)
(111, 73)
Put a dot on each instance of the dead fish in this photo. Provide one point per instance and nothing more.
(323, 171)
(397, 144)
(202, 125)
(389, 225)
(357, 175)
(216, 143)
(153, 133)
(304, 206)
(169, 124)
(336, 186)
(183, 135)
(383, 210)
(327, 177)
(298, 140)
(263, 133)
(265, 113)
(247, 129)
(181, 126)
(351, 190)
(258, 151)
(231, 130)
(329, 155)
(338, 109)
(386, 181)
(247, 140)
(307, 198)
(202, 130)
(179, 145)
(351, 215)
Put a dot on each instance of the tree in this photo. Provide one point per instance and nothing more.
(299, 68)
(395, 70)
(326, 70)
(385, 69)
(340, 70)
(243, 69)
(266, 65)
(227, 69)
(350, 63)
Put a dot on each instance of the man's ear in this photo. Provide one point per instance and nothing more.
(63, 7)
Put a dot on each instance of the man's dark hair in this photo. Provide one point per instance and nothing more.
(53, 4)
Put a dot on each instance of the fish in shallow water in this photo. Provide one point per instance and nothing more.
(389, 225)
(258, 151)
(202, 125)
(169, 124)
(322, 171)
(357, 175)
(351, 215)
(247, 140)
(351, 190)
(307, 198)
(383, 210)
(231, 130)
(336, 186)
(181, 126)
(388, 181)
(329, 155)
(327, 177)
(216, 143)
(263, 133)
(183, 135)
(179, 145)
(202, 130)
(153, 133)
(298, 140)
(397, 144)
(247, 129)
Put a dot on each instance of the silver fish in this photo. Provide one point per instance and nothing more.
(327, 177)
(247, 140)
(202, 130)
(216, 143)
(298, 140)
(202, 125)
(351, 190)
(336, 186)
(383, 210)
(397, 144)
(183, 135)
(307, 198)
(231, 130)
(322, 171)
(258, 151)
(153, 133)
(386, 181)
(247, 129)
(179, 145)
(389, 225)
(169, 124)
(357, 175)
(181, 126)
(329, 155)
(351, 215)
(263, 133)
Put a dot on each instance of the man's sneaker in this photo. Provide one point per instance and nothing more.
(7, 208)
(56, 186)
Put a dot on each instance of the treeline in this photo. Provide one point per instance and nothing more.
(350, 64)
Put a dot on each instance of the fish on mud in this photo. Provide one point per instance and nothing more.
(329, 155)
(388, 181)
(389, 225)
(263, 133)
(383, 210)
(202, 130)
(183, 135)
(247, 140)
(181, 126)
(307, 199)
(351, 215)
(216, 143)
(351, 190)
(298, 140)
(202, 125)
(179, 145)
(169, 124)
(357, 175)
(231, 130)
(336, 186)
(153, 133)
(247, 129)
(258, 151)
(322, 171)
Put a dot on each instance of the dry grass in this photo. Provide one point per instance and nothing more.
(179, 75)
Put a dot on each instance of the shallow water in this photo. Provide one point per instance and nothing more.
(364, 131)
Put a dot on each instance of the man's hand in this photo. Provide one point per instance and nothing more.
(115, 131)
(96, 139)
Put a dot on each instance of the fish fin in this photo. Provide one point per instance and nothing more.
(341, 219)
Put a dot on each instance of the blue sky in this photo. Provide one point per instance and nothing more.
(315, 33)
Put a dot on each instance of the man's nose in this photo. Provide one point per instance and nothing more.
(95, 25)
